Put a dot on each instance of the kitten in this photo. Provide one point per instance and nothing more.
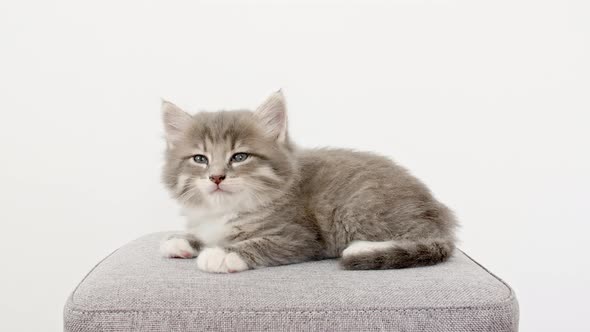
(253, 199)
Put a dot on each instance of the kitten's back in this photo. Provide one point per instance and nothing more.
(362, 196)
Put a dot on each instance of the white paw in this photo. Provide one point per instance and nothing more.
(363, 247)
(217, 260)
(177, 248)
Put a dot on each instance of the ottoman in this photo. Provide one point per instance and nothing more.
(135, 289)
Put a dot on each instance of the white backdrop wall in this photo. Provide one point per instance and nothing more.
(486, 101)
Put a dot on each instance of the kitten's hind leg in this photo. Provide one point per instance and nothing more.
(180, 246)
(367, 255)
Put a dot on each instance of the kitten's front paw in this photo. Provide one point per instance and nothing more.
(177, 248)
(217, 260)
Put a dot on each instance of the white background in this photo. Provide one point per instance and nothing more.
(486, 101)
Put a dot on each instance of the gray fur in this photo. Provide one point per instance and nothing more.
(307, 204)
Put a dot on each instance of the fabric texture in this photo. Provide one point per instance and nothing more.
(135, 289)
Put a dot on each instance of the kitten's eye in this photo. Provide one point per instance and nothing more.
(200, 159)
(239, 157)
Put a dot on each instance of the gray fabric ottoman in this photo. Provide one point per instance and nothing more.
(134, 289)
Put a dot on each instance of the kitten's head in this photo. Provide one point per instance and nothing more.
(229, 160)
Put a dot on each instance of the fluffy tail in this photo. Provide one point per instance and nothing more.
(398, 255)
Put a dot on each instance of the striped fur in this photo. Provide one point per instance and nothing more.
(286, 205)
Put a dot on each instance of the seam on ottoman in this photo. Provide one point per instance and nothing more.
(511, 294)
(504, 305)
(92, 270)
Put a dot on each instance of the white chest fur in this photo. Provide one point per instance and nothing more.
(211, 227)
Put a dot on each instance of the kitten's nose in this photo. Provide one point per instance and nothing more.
(217, 178)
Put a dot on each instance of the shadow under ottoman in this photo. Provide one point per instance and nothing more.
(135, 289)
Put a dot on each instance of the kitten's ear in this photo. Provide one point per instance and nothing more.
(176, 121)
(273, 116)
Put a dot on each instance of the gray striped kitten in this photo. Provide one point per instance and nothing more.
(253, 199)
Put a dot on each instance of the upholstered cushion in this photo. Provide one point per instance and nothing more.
(135, 289)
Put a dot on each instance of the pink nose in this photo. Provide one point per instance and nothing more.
(217, 178)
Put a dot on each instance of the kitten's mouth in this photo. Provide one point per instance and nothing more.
(220, 191)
